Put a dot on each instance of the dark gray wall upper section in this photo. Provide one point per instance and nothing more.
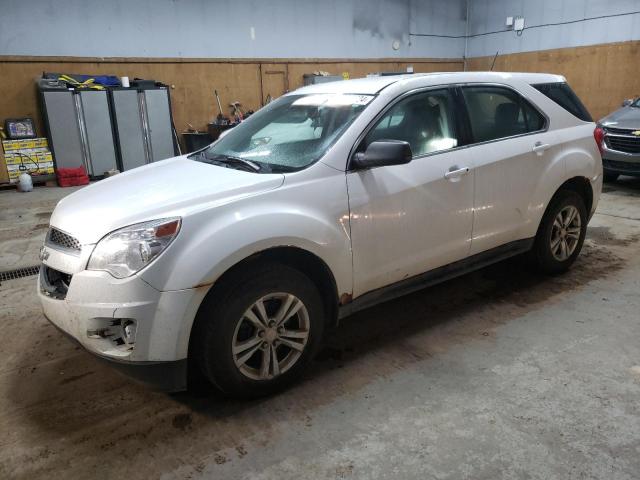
(490, 15)
(439, 17)
(230, 28)
(304, 28)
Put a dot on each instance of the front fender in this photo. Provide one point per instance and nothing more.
(212, 241)
(230, 239)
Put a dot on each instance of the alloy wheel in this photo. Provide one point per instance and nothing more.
(565, 233)
(271, 336)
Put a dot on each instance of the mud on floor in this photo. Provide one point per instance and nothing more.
(64, 414)
(85, 413)
(605, 236)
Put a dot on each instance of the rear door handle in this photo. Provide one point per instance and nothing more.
(540, 147)
(455, 172)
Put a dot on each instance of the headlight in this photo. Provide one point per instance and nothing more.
(126, 251)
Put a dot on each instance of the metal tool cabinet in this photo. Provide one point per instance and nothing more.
(79, 127)
(142, 119)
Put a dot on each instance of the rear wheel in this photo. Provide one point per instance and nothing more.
(561, 233)
(610, 177)
(256, 333)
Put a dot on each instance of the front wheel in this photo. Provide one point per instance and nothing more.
(561, 233)
(256, 333)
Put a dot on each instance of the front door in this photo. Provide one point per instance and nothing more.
(407, 219)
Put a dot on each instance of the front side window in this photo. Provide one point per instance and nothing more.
(288, 134)
(496, 112)
(425, 120)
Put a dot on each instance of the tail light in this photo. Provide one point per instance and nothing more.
(598, 135)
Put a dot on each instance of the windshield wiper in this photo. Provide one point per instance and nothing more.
(230, 159)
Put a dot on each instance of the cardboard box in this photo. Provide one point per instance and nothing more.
(27, 157)
(33, 153)
(32, 168)
(24, 144)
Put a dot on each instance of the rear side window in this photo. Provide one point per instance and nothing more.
(496, 112)
(562, 94)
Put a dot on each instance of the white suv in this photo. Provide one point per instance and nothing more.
(229, 263)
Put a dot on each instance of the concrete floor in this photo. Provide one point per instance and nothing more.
(498, 374)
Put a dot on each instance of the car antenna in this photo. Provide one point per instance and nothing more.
(494, 61)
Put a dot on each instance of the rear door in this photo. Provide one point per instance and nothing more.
(511, 149)
(407, 219)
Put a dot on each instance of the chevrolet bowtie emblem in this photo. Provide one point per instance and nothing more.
(44, 254)
(636, 133)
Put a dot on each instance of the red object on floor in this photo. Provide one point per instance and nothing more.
(71, 177)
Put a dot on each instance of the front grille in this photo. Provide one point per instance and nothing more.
(621, 131)
(622, 140)
(624, 144)
(60, 239)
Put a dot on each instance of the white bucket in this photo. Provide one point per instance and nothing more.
(25, 184)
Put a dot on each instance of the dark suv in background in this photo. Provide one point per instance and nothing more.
(621, 148)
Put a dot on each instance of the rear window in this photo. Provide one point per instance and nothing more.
(562, 94)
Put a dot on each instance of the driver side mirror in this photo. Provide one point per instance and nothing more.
(382, 153)
(627, 102)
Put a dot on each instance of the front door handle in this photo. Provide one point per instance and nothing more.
(455, 172)
(540, 147)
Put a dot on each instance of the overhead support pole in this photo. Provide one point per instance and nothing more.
(466, 38)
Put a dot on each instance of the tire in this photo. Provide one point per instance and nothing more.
(232, 344)
(610, 177)
(549, 256)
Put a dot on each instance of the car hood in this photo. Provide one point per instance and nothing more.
(625, 117)
(167, 188)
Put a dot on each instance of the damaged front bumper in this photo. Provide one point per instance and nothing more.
(140, 330)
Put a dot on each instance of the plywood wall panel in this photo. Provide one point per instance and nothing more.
(192, 93)
(356, 70)
(193, 81)
(602, 75)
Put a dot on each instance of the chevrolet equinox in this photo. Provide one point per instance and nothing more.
(229, 263)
